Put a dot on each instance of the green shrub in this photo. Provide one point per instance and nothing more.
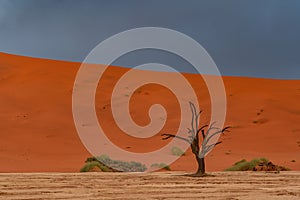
(161, 166)
(243, 165)
(241, 161)
(90, 165)
(176, 151)
(107, 164)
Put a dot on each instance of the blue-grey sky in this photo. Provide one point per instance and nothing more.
(257, 38)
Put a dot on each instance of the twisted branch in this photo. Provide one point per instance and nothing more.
(167, 136)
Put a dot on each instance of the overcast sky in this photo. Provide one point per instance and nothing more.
(259, 38)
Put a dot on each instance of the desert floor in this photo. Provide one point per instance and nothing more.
(159, 185)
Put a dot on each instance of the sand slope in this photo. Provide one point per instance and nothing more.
(37, 132)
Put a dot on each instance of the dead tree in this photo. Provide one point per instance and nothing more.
(199, 149)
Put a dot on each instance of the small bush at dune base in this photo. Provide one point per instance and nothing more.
(258, 164)
(243, 165)
(176, 151)
(106, 164)
(89, 166)
(161, 166)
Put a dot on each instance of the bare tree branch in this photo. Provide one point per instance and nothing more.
(206, 149)
(202, 127)
(167, 136)
(203, 134)
(202, 131)
(197, 119)
(211, 127)
(226, 129)
(209, 137)
(193, 109)
(190, 133)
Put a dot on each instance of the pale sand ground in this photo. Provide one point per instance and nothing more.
(162, 185)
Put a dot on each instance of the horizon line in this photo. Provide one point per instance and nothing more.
(130, 67)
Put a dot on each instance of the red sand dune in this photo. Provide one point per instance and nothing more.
(38, 133)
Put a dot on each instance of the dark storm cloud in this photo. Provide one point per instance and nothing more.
(250, 38)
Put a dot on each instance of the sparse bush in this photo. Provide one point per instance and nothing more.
(243, 165)
(105, 163)
(91, 165)
(161, 166)
(259, 164)
(176, 151)
(241, 161)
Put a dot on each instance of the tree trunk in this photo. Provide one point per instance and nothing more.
(201, 166)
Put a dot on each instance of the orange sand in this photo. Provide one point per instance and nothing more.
(38, 133)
